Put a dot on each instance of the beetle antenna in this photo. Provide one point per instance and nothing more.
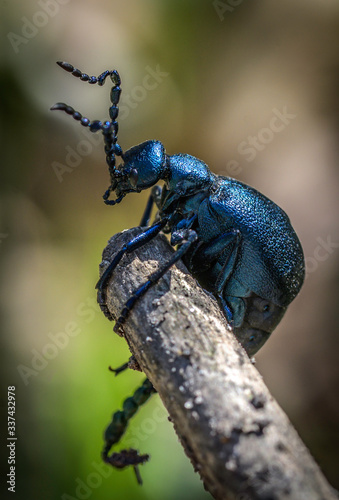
(100, 80)
(108, 128)
(118, 426)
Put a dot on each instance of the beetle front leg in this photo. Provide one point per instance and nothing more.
(132, 245)
(155, 197)
(188, 238)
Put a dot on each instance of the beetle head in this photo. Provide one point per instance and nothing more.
(260, 320)
(142, 167)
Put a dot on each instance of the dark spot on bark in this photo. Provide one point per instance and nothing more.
(280, 446)
(258, 401)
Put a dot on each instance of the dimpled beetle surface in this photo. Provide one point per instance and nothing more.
(237, 243)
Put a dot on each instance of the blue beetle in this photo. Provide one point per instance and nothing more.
(237, 243)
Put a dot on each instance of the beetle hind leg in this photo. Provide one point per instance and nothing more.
(231, 308)
(204, 259)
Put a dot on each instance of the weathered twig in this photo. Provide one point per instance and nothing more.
(237, 437)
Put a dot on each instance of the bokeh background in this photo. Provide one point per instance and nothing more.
(206, 78)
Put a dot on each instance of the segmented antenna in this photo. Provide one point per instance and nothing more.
(109, 129)
(118, 426)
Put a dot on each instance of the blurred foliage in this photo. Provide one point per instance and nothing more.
(224, 72)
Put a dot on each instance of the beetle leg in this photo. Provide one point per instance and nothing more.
(118, 426)
(132, 245)
(154, 198)
(135, 243)
(206, 254)
(190, 236)
(147, 213)
(229, 264)
(118, 370)
(132, 363)
(224, 276)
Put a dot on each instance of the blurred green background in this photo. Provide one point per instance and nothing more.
(224, 70)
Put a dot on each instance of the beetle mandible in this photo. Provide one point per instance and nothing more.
(237, 243)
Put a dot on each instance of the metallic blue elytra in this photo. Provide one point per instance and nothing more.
(237, 243)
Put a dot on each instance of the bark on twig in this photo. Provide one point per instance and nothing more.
(235, 434)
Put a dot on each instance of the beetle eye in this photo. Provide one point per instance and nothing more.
(264, 306)
(133, 177)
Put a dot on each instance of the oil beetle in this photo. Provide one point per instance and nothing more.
(237, 243)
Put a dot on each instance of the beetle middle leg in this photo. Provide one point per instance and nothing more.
(188, 238)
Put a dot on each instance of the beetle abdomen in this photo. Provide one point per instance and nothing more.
(272, 261)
